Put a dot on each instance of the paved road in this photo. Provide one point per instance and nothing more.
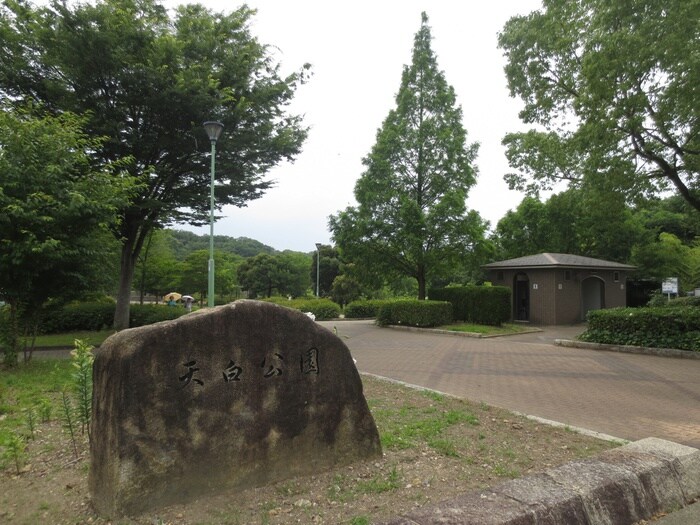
(623, 395)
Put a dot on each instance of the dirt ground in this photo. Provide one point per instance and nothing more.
(423, 463)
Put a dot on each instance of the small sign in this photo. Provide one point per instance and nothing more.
(670, 285)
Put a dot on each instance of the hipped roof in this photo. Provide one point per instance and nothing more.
(557, 260)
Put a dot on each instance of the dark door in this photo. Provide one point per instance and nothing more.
(521, 297)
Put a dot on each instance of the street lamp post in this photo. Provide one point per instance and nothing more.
(213, 129)
(318, 267)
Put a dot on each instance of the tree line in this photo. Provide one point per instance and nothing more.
(102, 149)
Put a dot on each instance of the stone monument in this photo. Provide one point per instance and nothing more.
(221, 399)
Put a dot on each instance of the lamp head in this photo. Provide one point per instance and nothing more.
(213, 129)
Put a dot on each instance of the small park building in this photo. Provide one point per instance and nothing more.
(558, 288)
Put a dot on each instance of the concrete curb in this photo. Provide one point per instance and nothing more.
(620, 486)
(459, 334)
(628, 349)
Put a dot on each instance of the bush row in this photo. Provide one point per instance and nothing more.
(489, 305)
(323, 309)
(662, 300)
(415, 313)
(100, 315)
(363, 309)
(657, 327)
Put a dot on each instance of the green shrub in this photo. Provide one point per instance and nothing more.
(78, 316)
(656, 327)
(415, 313)
(490, 305)
(100, 315)
(323, 309)
(661, 300)
(145, 314)
(363, 309)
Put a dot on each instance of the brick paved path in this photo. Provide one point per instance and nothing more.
(623, 395)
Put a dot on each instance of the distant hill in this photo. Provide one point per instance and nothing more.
(185, 242)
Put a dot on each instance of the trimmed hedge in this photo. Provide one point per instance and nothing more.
(656, 327)
(100, 315)
(413, 312)
(489, 305)
(77, 317)
(363, 309)
(323, 309)
(144, 314)
(661, 300)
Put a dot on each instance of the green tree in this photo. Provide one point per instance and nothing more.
(345, 289)
(53, 212)
(522, 231)
(194, 277)
(157, 271)
(589, 220)
(266, 275)
(327, 267)
(612, 89)
(412, 219)
(661, 259)
(147, 81)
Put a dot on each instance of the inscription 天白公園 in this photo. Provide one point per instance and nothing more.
(271, 366)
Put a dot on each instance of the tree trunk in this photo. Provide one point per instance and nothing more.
(126, 277)
(421, 283)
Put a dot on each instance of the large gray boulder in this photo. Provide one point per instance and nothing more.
(226, 398)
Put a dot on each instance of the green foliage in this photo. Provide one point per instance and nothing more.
(592, 220)
(611, 87)
(415, 313)
(54, 211)
(82, 360)
(194, 276)
(69, 420)
(97, 316)
(78, 316)
(411, 219)
(657, 327)
(490, 305)
(345, 289)
(282, 274)
(145, 314)
(152, 59)
(185, 242)
(323, 309)
(15, 450)
(365, 308)
(328, 269)
(9, 336)
(31, 421)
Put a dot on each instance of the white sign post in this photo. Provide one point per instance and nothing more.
(670, 286)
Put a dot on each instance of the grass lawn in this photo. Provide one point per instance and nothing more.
(436, 447)
(504, 329)
(67, 339)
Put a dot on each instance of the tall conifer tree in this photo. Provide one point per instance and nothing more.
(411, 219)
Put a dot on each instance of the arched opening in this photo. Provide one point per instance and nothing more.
(592, 295)
(521, 297)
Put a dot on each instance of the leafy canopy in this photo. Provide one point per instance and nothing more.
(146, 81)
(612, 90)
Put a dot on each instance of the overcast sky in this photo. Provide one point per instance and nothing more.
(357, 51)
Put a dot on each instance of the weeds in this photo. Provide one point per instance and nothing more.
(31, 421)
(82, 359)
(15, 451)
(69, 420)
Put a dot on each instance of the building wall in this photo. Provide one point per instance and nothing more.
(555, 294)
